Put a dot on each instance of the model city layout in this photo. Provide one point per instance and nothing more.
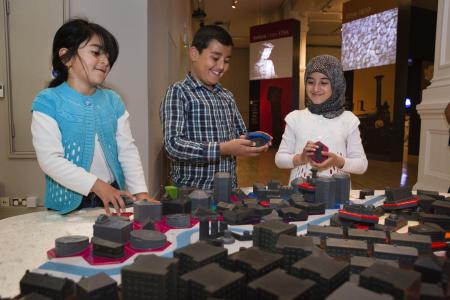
(353, 257)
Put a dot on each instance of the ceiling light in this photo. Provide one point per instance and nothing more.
(234, 3)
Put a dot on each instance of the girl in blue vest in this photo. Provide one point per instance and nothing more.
(81, 131)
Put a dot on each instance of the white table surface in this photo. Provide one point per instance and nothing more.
(25, 240)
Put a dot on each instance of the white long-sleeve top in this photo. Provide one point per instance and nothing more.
(47, 142)
(341, 136)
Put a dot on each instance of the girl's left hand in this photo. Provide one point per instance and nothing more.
(142, 196)
(332, 160)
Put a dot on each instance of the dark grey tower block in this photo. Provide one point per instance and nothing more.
(144, 209)
(150, 277)
(199, 254)
(265, 235)
(47, 285)
(253, 262)
(211, 281)
(147, 239)
(328, 273)
(382, 278)
(71, 245)
(198, 199)
(222, 187)
(342, 188)
(326, 191)
(113, 229)
(178, 220)
(279, 285)
(98, 286)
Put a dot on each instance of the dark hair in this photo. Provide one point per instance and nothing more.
(71, 35)
(205, 34)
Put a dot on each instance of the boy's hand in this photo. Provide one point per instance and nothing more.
(241, 147)
(142, 196)
(108, 195)
(332, 160)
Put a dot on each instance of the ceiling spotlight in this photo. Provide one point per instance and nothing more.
(234, 3)
(199, 13)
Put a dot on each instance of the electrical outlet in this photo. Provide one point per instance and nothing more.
(4, 201)
(32, 201)
(16, 201)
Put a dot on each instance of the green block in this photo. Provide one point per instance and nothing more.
(172, 191)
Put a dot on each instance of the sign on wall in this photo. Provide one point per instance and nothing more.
(274, 75)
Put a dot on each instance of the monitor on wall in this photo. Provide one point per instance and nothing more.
(370, 41)
(271, 58)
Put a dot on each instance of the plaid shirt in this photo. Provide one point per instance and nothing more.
(195, 121)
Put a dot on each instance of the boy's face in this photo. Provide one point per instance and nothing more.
(210, 65)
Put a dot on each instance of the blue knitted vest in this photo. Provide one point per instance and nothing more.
(79, 118)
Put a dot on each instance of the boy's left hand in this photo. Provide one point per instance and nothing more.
(332, 160)
(142, 196)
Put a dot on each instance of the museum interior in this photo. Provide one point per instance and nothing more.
(395, 56)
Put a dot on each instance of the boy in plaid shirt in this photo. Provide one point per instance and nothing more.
(202, 127)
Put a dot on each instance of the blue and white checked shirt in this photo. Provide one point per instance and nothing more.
(195, 121)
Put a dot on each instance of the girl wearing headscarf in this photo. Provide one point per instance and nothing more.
(324, 119)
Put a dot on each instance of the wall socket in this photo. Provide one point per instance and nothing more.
(18, 201)
(4, 201)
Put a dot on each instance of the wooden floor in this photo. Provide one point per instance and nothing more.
(379, 174)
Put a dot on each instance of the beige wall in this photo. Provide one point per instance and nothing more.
(364, 88)
(150, 36)
(169, 23)
(237, 80)
(18, 177)
(316, 50)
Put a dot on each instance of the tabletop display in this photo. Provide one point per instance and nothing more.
(310, 240)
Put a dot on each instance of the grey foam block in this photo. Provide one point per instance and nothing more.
(143, 209)
(147, 239)
(199, 199)
(71, 245)
(113, 229)
(178, 220)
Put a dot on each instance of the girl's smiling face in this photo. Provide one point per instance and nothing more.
(89, 67)
(318, 88)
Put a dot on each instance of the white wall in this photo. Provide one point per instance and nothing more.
(169, 26)
(434, 154)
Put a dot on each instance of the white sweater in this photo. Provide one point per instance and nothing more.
(341, 136)
(50, 156)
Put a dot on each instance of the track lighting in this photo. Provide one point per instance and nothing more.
(234, 3)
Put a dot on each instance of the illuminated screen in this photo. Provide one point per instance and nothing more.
(271, 59)
(371, 41)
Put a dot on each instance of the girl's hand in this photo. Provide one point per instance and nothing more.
(304, 157)
(332, 160)
(110, 195)
(142, 196)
